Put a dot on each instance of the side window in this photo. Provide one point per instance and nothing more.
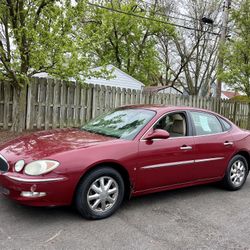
(226, 125)
(175, 124)
(205, 123)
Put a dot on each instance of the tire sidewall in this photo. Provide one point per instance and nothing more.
(227, 178)
(82, 191)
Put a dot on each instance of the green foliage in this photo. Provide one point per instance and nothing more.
(237, 52)
(43, 36)
(241, 98)
(128, 42)
(66, 38)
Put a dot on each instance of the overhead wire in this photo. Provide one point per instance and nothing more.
(150, 18)
(178, 13)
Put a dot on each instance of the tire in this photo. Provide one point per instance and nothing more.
(236, 173)
(96, 197)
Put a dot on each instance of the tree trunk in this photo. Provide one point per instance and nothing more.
(19, 109)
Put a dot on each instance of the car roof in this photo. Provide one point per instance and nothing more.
(163, 108)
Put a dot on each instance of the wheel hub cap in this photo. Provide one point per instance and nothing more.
(102, 194)
(238, 173)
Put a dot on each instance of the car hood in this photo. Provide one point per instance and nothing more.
(46, 143)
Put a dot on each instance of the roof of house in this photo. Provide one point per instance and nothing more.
(230, 94)
(118, 78)
(42, 75)
(152, 89)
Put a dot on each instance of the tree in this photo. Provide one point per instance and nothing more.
(189, 59)
(237, 51)
(38, 36)
(129, 41)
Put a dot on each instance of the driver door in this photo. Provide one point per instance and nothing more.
(164, 162)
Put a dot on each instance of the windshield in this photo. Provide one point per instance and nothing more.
(123, 123)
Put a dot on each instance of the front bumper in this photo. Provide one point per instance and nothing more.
(55, 190)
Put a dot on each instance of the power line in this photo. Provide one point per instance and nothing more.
(178, 13)
(149, 18)
(170, 16)
(181, 14)
(179, 18)
(151, 4)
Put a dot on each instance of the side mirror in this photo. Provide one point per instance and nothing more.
(157, 134)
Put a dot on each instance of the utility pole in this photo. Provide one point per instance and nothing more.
(223, 36)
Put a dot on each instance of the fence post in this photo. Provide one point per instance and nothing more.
(248, 117)
(94, 101)
(56, 88)
(6, 111)
(89, 102)
(29, 106)
(47, 104)
(62, 103)
(235, 112)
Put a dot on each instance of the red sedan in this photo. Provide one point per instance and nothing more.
(130, 151)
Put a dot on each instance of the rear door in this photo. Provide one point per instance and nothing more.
(214, 145)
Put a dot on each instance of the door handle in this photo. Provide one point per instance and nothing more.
(184, 147)
(228, 143)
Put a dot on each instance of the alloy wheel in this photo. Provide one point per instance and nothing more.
(237, 173)
(102, 194)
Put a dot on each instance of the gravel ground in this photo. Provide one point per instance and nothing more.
(201, 217)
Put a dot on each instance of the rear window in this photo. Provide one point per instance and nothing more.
(226, 125)
(205, 123)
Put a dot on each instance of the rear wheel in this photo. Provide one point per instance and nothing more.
(236, 173)
(100, 193)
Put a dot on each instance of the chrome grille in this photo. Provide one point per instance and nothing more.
(4, 166)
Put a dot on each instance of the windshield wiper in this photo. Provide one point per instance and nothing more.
(115, 136)
(100, 133)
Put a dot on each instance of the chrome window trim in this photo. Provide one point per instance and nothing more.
(178, 163)
(21, 179)
(192, 136)
(224, 132)
(170, 138)
(4, 159)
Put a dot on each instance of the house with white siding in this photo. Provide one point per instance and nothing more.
(118, 79)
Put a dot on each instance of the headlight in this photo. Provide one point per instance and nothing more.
(19, 165)
(40, 167)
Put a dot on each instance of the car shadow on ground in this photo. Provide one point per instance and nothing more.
(69, 212)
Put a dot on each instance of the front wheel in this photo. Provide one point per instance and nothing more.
(100, 193)
(236, 173)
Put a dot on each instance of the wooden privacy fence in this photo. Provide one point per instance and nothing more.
(57, 104)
